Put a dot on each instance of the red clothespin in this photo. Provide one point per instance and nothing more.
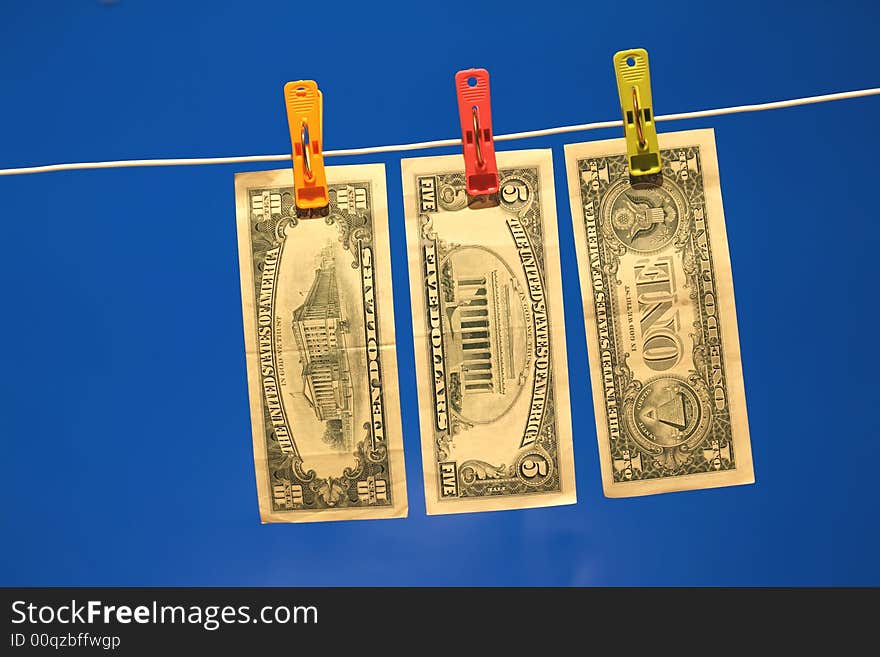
(304, 103)
(477, 138)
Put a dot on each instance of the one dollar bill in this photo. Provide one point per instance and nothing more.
(489, 336)
(660, 317)
(320, 345)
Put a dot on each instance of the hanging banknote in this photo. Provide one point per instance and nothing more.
(489, 336)
(661, 321)
(319, 339)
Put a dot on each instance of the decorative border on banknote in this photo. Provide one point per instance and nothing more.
(539, 457)
(292, 487)
(711, 447)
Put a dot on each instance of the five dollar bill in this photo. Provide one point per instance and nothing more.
(489, 336)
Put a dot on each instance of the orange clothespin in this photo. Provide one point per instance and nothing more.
(477, 138)
(304, 103)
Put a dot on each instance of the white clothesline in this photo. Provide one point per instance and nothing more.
(167, 162)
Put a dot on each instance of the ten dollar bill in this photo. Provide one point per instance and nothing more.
(319, 339)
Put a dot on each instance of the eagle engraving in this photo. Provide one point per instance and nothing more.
(636, 217)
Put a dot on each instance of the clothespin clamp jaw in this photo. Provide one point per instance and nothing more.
(477, 138)
(304, 103)
(634, 88)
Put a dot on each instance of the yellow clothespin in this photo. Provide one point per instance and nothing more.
(634, 89)
(304, 103)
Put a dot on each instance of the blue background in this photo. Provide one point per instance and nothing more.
(126, 439)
